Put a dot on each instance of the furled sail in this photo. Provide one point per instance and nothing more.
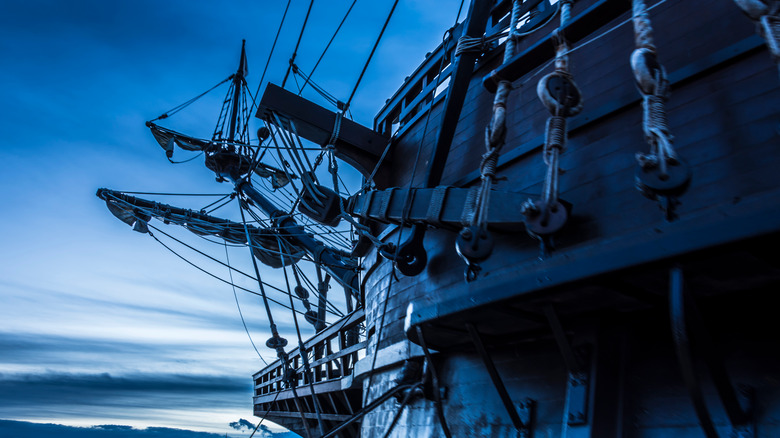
(167, 138)
(133, 217)
(267, 246)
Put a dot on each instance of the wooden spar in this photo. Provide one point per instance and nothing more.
(357, 145)
(238, 81)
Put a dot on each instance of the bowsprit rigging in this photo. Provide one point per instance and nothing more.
(277, 235)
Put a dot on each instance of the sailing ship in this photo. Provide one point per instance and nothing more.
(567, 228)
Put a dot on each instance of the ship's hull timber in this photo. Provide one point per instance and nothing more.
(608, 279)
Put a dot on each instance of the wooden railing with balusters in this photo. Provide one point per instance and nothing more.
(332, 355)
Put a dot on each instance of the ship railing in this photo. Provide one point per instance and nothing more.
(420, 91)
(332, 354)
(424, 88)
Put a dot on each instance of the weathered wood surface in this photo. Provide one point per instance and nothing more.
(723, 113)
(608, 276)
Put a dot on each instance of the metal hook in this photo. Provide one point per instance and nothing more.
(472, 272)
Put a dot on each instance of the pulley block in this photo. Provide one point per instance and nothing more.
(474, 244)
(324, 207)
(290, 376)
(301, 292)
(276, 342)
(545, 220)
(559, 94)
(649, 73)
(311, 317)
(411, 257)
(652, 181)
(263, 133)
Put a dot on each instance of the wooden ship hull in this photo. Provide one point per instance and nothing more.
(632, 322)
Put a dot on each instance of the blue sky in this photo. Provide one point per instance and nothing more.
(101, 325)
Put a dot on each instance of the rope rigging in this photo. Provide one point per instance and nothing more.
(135, 216)
(661, 174)
(302, 348)
(180, 107)
(474, 243)
(370, 55)
(238, 306)
(766, 14)
(327, 46)
(270, 54)
(297, 44)
(562, 98)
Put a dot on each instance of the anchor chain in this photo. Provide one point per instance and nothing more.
(766, 14)
(661, 175)
(475, 243)
(562, 98)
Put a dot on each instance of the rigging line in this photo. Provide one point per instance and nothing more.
(283, 164)
(268, 61)
(398, 243)
(272, 287)
(180, 107)
(408, 198)
(187, 160)
(409, 394)
(297, 44)
(219, 206)
(209, 273)
(288, 146)
(270, 406)
(297, 138)
(257, 272)
(328, 45)
(297, 85)
(238, 306)
(544, 66)
(628, 20)
(320, 90)
(370, 179)
(346, 189)
(368, 61)
(302, 349)
(306, 178)
(289, 139)
(218, 200)
(326, 234)
(460, 9)
(313, 290)
(232, 245)
(317, 263)
(174, 194)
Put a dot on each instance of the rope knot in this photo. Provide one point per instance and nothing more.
(470, 45)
